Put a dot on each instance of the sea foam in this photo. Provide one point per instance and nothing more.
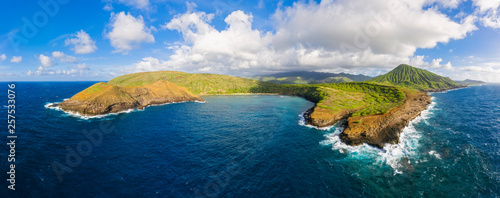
(397, 156)
(302, 122)
(83, 117)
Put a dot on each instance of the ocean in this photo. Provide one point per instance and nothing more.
(246, 146)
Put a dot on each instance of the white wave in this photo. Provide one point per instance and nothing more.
(78, 115)
(446, 91)
(435, 154)
(302, 122)
(50, 106)
(391, 154)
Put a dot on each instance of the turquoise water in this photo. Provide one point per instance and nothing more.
(251, 146)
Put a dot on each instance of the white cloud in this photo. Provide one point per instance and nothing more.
(82, 44)
(382, 26)
(151, 64)
(108, 7)
(127, 32)
(485, 5)
(446, 3)
(340, 34)
(138, 4)
(63, 57)
(82, 66)
(261, 4)
(16, 59)
(418, 61)
(46, 61)
(3, 57)
(488, 11)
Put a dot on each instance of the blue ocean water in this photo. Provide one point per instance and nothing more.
(248, 146)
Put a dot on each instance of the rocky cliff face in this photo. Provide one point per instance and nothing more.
(375, 130)
(321, 117)
(103, 98)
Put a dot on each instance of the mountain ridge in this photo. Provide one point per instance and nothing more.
(411, 77)
(310, 77)
(373, 112)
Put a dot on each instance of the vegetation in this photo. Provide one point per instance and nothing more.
(415, 78)
(375, 99)
(361, 98)
(306, 77)
(335, 80)
(202, 84)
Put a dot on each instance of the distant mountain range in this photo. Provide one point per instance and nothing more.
(310, 77)
(374, 111)
(468, 82)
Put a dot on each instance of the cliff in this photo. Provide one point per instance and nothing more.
(103, 98)
(373, 112)
(377, 130)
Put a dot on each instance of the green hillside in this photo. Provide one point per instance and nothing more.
(284, 80)
(308, 77)
(196, 83)
(330, 80)
(362, 98)
(415, 78)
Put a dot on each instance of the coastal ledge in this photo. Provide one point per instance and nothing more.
(375, 130)
(373, 112)
(103, 98)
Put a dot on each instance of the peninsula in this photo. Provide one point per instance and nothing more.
(373, 112)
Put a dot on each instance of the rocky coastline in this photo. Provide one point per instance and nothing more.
(375, 130)
(114, 99)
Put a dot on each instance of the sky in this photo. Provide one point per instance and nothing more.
(70, 40)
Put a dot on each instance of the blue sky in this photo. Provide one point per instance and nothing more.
(98, 40)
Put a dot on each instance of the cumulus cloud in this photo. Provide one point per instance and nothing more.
(127, 32)
(45, 61)
(82, 66)
(63, 57)
(16, 59)
(488, 11)
(138, 4)
(78, 69)
(331, 35)
(3, 57)
(152, 64)
(108, 7)
(445, 3)
(82, 43)
(418, 61)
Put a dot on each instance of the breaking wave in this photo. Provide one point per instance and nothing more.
(83, 117)
(398, 156)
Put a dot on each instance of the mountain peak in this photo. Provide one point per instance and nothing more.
(408, 76)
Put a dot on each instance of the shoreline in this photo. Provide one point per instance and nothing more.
(54, 106)
(377, 132)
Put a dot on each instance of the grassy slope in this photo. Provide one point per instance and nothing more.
(301, 80)
(108, 94)
(330, 80)
(197, 83)
(415, 78)
(366, 98)
(310, 76)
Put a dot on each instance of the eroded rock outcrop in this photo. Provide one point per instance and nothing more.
(375, 130)
(103, 98)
